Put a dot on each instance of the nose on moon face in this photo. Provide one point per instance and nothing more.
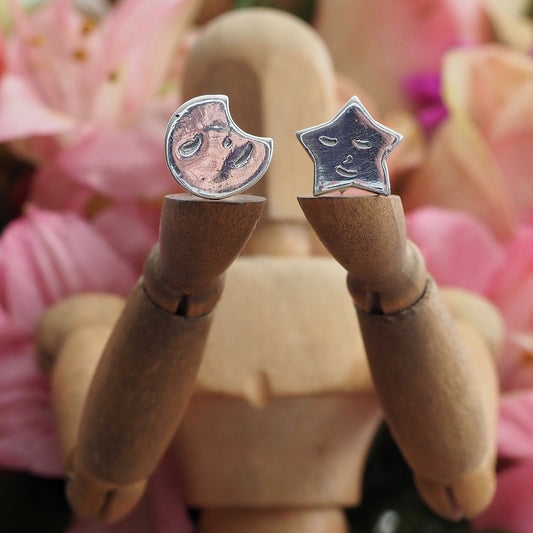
(227, 143)
(192, 146)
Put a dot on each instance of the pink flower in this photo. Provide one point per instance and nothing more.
(44, 257)
(516, 426)
(512, 505)
(461, 252)
(458, 251)
(97, 93)
(130, 229)
(381, 43)
(512, 292)
(480, 158)
(2, 56)
(424, 93)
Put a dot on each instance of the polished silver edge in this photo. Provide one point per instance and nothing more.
(352, 102)
(176, 174)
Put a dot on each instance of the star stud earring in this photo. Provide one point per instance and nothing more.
(350, 151)
(208, 154)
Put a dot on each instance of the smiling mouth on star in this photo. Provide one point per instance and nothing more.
(345, 172)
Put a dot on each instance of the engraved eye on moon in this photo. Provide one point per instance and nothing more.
(208, 154)
(191, 147)
(350, 151)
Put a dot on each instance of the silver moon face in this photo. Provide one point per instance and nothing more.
(208, 154)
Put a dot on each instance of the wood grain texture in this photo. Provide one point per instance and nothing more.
(284, 327)
(367, 236)
(226, 442)
(146, 373)
(469, 494)
(440, 414)
(301, 451)
(424, 378)
(198, 241)
(140, 390)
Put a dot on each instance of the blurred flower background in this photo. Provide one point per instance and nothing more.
(86, 89)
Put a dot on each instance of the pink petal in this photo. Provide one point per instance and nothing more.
(131, 230)
(512, 291)
(491, 88)
(45, 256)
(515, 428)
(479, 81)
(52, 188)
(512, 507)
(460, 173)
(140, 40)
(527, 219)
(22, 113)
(380, 44)
(515, 160)
(160, 511)
(11, 334)
(510, 140)
(2, 56)
(59, 65)
(517, 270)
(27, 435)
(458, 250)
(124, 164)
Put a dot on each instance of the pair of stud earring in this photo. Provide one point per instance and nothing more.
(211, 157)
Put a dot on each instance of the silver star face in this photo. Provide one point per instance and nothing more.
(208, 154)
(350, 151)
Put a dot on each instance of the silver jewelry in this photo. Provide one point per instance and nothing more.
(350, 151)
(208, 154)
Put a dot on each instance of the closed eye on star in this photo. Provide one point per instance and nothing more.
(350, 151)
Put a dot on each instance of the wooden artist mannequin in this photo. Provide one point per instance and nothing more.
(268, 440)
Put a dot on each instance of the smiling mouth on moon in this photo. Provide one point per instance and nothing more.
(345, 172)
(241, 155)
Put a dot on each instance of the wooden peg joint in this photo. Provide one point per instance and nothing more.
(424, 374)
(147, 370)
